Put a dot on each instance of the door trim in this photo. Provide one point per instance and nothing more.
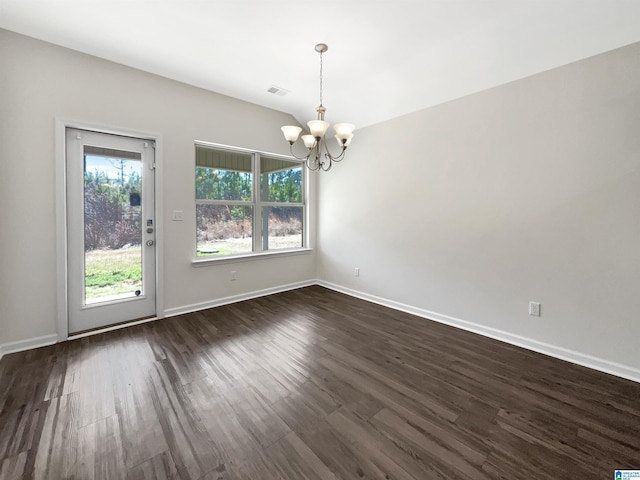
(61, 125)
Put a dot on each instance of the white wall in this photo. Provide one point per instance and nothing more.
(39, 82)
(528, 191)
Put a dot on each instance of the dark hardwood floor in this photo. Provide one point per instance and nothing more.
(309, 384)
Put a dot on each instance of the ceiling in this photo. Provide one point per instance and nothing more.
(386, 58)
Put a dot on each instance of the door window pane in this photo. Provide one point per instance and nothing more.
(112, 226)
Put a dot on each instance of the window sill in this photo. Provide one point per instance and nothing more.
(208, 261)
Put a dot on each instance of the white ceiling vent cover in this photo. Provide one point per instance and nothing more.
(281, 92)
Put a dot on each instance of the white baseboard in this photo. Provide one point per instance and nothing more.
(172, 312)
(28, 344)
(578, 358)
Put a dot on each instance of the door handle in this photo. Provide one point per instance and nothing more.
(149, 243)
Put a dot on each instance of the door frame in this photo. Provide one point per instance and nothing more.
(62, 314)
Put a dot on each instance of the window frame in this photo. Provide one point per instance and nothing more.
(257, 204)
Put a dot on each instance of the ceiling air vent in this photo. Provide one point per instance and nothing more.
(281, 92)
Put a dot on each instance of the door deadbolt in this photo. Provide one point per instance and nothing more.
(149, 243)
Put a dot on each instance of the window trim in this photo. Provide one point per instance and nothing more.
(247, 257)
(257, 203)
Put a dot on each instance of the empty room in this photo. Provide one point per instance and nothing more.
(199, 282)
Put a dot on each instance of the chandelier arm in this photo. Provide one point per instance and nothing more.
(313, 167)
(340, 157)
(304, 157)
(328, 154)
(315, 164)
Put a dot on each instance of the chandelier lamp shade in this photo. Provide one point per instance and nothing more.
(318, 155)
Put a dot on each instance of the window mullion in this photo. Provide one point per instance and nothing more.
(305, 208)
(257, 209)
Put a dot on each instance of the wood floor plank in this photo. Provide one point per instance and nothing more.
(389, 396)
(141, 431)
(96, 399)
(100, 450)
(56, 453)
(342, 392)
(257, 416)
(306, 408)
(435, 444)
(20, 427)
(308, 384)
(338, 454)
(440, 406)
(516, 456)
(57, 375)
(12, 468)
(24, 383)
(160, 467)
(231, 440)
(190, 445)
(380, 458)
(294, 459)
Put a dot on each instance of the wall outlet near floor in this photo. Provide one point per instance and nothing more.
(534, 309)
(233, 275)
(356, 272)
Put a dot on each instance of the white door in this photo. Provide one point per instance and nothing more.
(111, 275)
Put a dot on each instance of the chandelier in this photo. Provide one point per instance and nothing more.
(318, 155)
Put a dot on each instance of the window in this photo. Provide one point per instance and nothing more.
(247, 202)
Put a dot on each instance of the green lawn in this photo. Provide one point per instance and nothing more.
(112, 272)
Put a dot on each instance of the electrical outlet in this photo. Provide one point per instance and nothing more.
(534, 309)
(233, 275)
(356, 272)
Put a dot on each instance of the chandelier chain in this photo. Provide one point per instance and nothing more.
(320, 78)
